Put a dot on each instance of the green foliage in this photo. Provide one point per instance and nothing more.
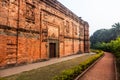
(105, 35)
(114, 47)
(72, 73)
(96, 51)
(108, 40)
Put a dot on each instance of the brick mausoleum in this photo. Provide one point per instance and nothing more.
(34, 30)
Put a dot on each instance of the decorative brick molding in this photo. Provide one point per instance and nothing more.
(29, 29)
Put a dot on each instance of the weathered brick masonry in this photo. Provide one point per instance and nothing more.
(32, 30)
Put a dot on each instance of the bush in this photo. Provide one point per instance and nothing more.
(96, 51)
(113, 46)
(69, 74)
(72, 73)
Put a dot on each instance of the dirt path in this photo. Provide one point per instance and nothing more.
(103, 70)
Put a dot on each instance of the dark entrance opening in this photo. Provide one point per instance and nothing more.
(52, 50)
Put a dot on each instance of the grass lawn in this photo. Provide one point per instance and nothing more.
(48, 72)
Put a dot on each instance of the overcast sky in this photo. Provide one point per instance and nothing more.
(98, 13)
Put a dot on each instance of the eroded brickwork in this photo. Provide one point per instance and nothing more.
(32, 30)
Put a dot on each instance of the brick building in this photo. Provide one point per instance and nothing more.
(33, 30)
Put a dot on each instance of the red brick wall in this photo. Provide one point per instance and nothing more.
(68, 47)
(44, 54)
(28, 50)
(76, 46)
(28, 27)
(61, 48)
(8, 50)
(2, 50)
(82, 46)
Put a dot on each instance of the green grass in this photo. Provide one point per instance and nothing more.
(72, 73)
(48, 72)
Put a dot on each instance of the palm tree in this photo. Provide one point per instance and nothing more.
(116, 27)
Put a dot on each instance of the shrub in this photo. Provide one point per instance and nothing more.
(71, 74)
(96, 51)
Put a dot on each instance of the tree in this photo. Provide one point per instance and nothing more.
(116, 27)
(105, 35)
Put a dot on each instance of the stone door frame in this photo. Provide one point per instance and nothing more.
(57, 47)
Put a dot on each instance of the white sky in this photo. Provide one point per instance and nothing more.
(98, 13)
